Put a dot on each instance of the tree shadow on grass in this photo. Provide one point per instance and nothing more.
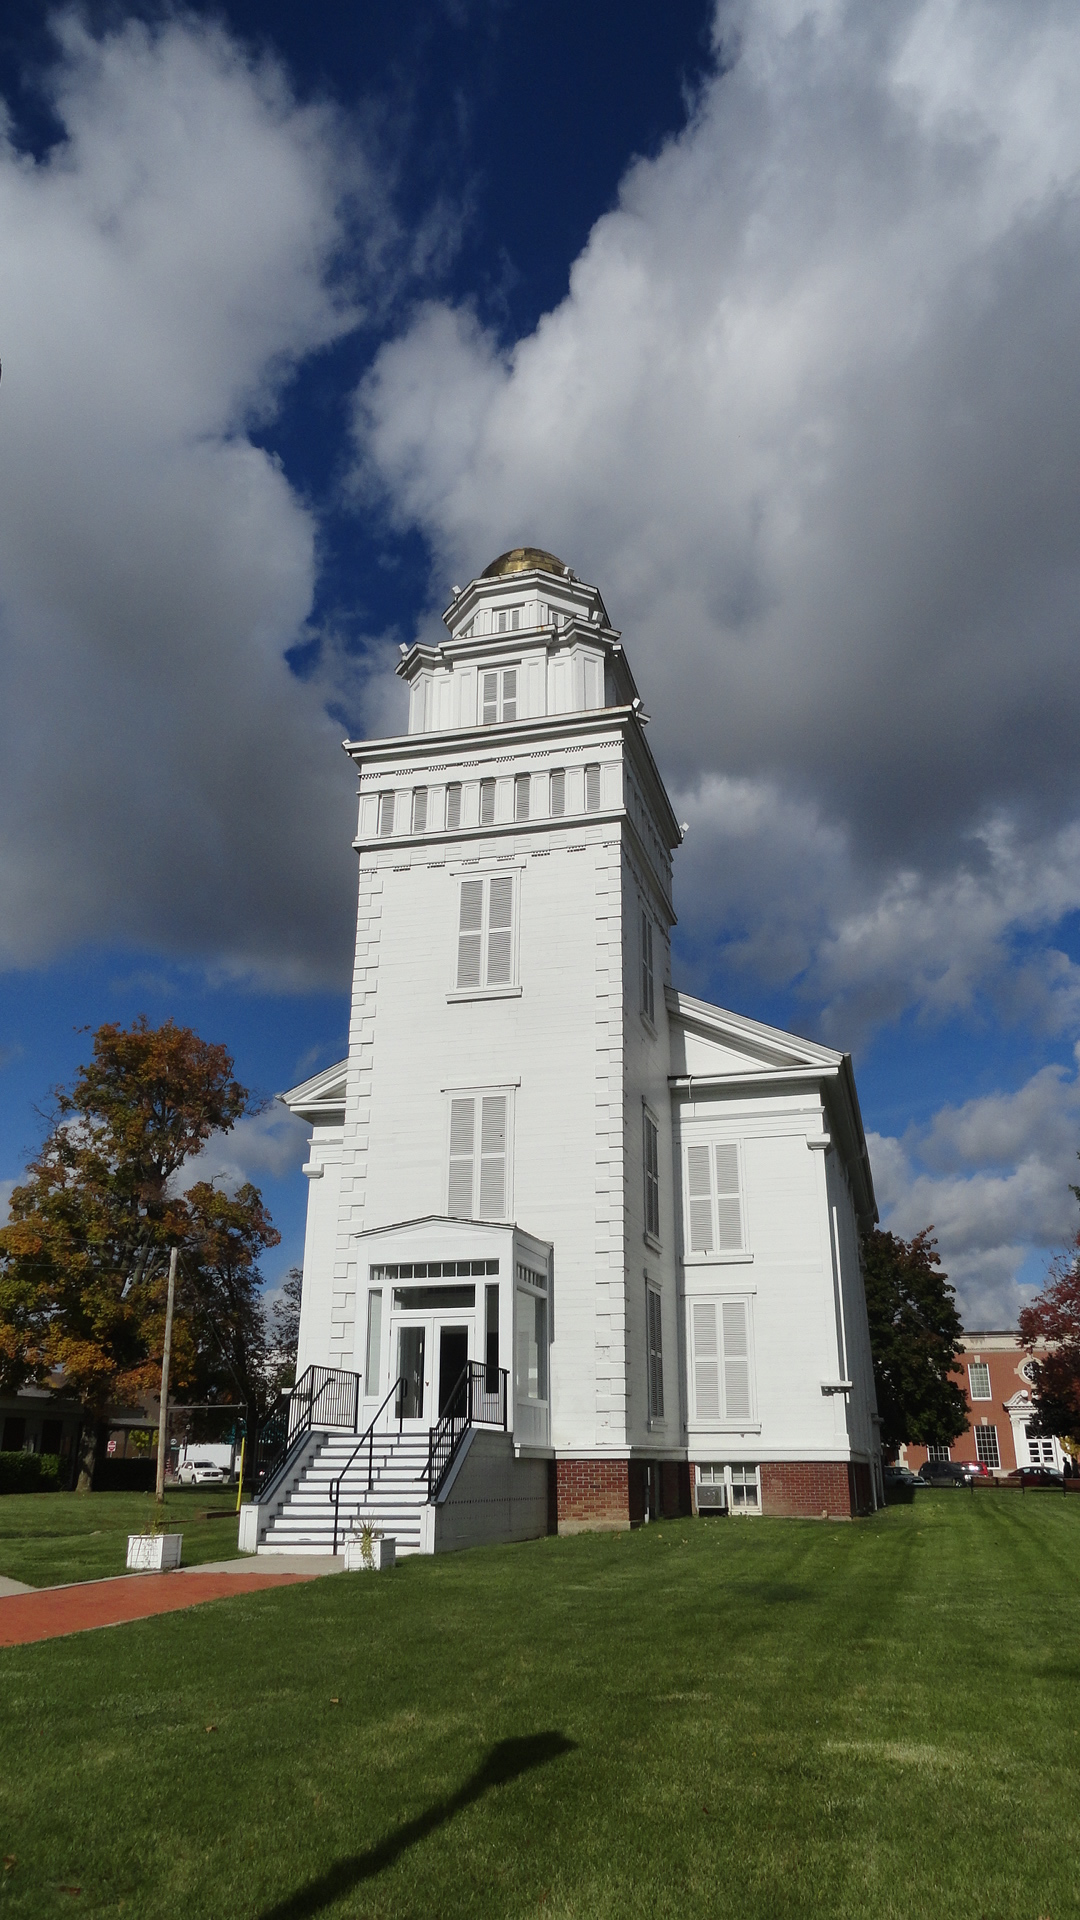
(507, 1761)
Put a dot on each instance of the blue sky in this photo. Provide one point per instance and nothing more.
(763, 316)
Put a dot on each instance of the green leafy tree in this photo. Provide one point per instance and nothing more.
(84, 1256)
(285, 1318)
(221, 1297)
(914, 1338)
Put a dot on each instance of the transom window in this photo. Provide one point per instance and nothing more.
(486, 932)
(979, 1380)
(435, 1270)
(498, 693)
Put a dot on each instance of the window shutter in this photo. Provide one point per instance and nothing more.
(462, 1129)
(558, 791)
(490, 696)
(736, 1361)
(728, 1204)
(592, 789)
(656, 1355)
(487, 803)
(699, 1183)
(386, 813)
(493, 1157)
(647, 1001)
(470, 933)
(522, 785)
(500, 921)
(509, 692)
(706, 1361)
(453, 805)
(419, 810)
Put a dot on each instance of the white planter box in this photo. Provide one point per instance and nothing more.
(153, 1552)
(383, 1555)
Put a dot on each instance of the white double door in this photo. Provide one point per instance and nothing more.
(429, 1352)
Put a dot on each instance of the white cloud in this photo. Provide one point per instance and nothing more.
(993, 1177)
(7, 1188)
(164, 778)
(810, 415)
(271, 1143)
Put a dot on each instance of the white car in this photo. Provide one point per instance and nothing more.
(201, 1473)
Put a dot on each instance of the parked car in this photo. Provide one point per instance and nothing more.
(942, 1473)
(201, 1473)
(1035, 1477)
(897, 1476)
(975, 1469)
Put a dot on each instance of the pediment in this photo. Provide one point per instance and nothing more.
(710, 1040)
(320, 1098)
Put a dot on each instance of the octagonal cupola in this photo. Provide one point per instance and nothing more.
(526, 638)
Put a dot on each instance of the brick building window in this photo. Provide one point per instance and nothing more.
(938, 1453)
(986, 1446)
(979, 1380)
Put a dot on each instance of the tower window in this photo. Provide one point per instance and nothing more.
(592, 789)
(508, 620)
(713, 1199)
(655, 1334)
(522, 788)
(558, 791)
(487, 803)
(477, 1176)
(652, 1176)
(453, 804)
(386, 813)
(498, 695)
(485, 932)
(419, 810)
(648, 992)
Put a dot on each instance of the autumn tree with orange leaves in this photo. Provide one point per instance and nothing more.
(84, 1256)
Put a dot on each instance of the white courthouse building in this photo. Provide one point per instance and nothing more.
(620, 1225)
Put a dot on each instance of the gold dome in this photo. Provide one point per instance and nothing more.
(524, 560)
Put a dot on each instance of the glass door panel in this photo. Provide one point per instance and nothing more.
(411, 1345)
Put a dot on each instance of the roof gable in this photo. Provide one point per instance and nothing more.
(320, 1098)
(710, 1040)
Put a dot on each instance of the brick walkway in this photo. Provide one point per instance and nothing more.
(50, 1612)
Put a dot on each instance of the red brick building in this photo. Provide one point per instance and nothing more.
(996, 1377)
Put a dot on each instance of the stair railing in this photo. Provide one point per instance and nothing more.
(367, 1438)
(478, 1399)
(322, 1397)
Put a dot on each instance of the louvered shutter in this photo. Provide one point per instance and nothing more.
(500, 926)
(470, 933)
(728, 1204)
(592, 789)
(493, 1157)
(419, 810)
(699, 1184)
(558, 791)
(453, 805)
(706, 1360)
(489, 683)
(509, 692)
(386, 813)
(487, 803)
(522, 784)
(656, 1355)
(736, 1361)
(462, 1133)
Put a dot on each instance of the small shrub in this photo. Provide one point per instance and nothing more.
(29, 1472)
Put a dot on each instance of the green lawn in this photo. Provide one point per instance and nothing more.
(48, 1539)
(754, 1719)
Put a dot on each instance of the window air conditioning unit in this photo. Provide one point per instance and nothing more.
(711, 1497)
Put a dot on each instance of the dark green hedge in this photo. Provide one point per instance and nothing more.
(29, 1472)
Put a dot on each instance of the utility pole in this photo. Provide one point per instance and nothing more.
(166, 1354)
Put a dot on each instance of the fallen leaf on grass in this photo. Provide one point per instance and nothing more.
(10, 1863)
(212, 1728)
(334, 1700)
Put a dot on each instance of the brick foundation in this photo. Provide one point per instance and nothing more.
(610, 1495)
(810, 1489)
(593, 1496)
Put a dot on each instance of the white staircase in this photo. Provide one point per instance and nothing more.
(398, 1494)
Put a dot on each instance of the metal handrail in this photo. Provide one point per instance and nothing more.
(368, 1435)
(473, 1400)
(293, 1416)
